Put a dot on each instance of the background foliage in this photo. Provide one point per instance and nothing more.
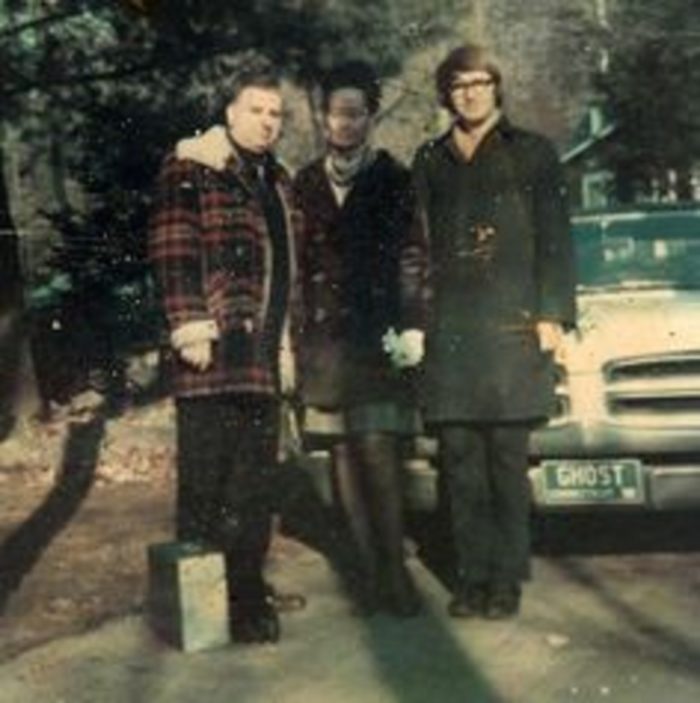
(93, 92)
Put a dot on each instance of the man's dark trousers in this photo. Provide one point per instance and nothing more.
(485, 467)
(227, 447)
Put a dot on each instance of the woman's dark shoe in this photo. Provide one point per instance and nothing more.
(469, 602)
(360, 586)
(404, 606)
(363, 605)
(253, 623)
(400, 597)
(503, 601)
(361, 589)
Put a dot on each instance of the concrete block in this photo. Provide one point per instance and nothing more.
(187, 603)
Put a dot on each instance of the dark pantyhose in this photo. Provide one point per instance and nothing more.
(369, 485)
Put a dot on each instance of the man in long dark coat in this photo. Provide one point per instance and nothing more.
(501, 267)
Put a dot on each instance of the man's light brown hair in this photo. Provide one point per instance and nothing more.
(468, 57)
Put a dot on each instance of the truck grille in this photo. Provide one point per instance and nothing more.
(664, 385)
(642, 404)
(667, 367)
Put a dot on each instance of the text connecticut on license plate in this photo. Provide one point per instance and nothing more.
(616, 481)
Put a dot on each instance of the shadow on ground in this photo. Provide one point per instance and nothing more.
(23, 548)
(616, 533)
(409, 653)
(400, 663)
(676, 651)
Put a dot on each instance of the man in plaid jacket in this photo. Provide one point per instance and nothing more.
(222, 246)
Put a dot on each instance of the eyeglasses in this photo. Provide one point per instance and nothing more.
(479, 85)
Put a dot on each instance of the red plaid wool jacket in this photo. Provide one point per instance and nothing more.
(211, 253)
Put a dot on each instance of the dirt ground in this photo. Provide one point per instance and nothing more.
(81, 497)
(92, 570)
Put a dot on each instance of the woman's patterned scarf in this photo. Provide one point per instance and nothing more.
(342, 168)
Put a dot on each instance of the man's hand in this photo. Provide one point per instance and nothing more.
(197, 354)
(405, 349)
(193, 342)
(551, 338)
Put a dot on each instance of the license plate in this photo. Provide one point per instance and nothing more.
(593, 481)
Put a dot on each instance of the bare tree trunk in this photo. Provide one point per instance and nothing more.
(316, 122)
(479, 22)
(19, 397)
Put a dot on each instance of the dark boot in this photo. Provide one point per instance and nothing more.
(253, 622)
(246, 534)
(252, 616)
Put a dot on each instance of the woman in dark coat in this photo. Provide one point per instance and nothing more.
(503, 293)
(358, 205)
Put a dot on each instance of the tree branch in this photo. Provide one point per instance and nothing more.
(39, 22)
(162, 61)
(82, 79)
(394, 105)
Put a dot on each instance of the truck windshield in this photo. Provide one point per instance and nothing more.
(635, 250)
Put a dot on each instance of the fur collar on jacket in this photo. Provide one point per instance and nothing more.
(213, 148)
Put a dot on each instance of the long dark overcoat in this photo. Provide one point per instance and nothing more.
(501, 259)
(351, 265)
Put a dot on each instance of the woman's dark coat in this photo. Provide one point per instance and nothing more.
(501, 260)
(350, 268)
